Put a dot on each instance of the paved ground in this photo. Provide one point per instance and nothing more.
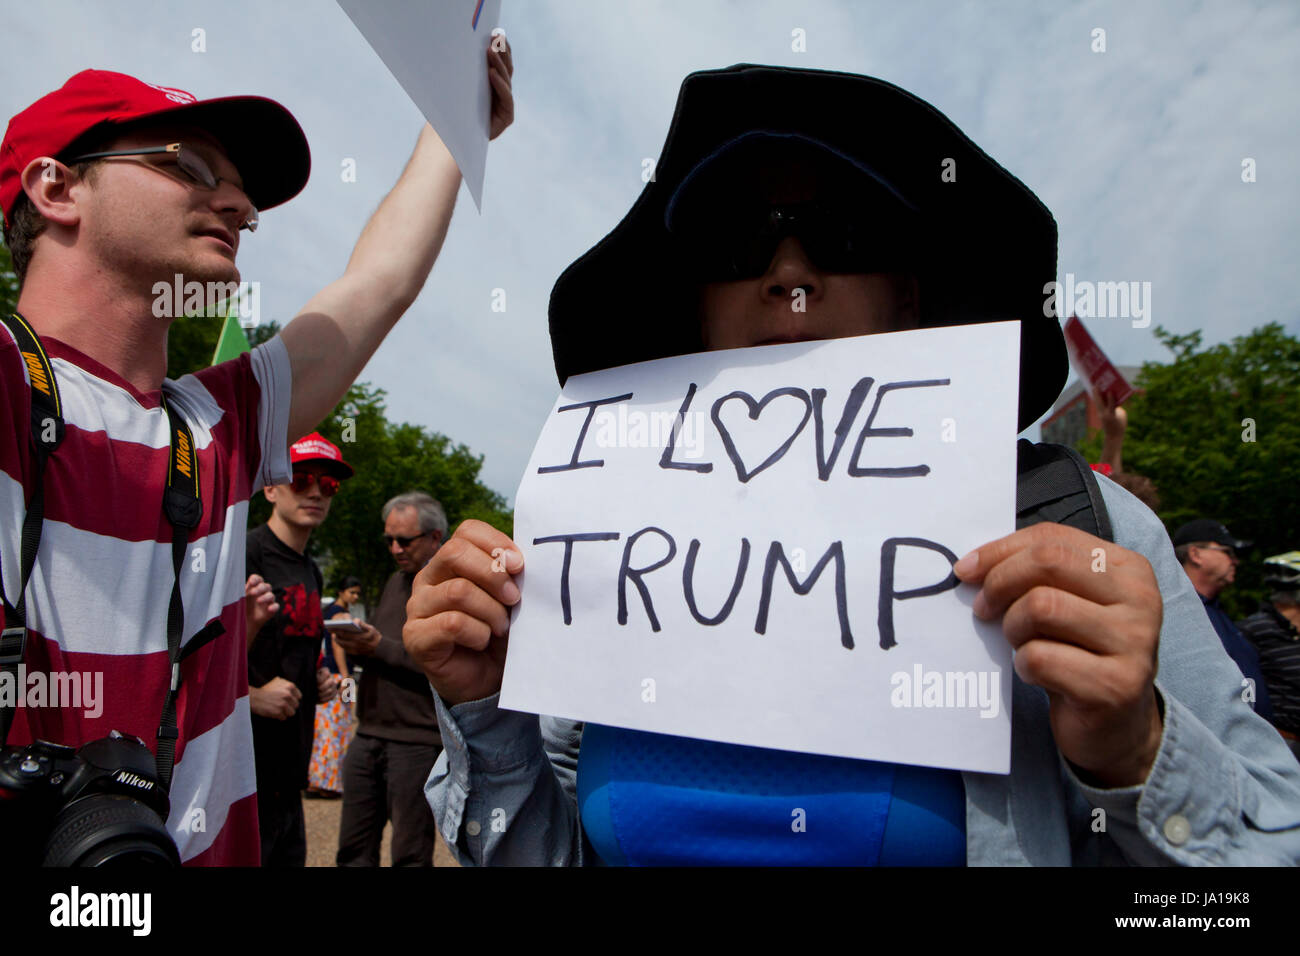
(323, 835)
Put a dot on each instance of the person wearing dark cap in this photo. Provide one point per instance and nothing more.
(110, 189)
(285, 679)
(779, 186)
(1209, 555)
(1274, 630)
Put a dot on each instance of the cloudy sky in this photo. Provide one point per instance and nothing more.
(1137, 150)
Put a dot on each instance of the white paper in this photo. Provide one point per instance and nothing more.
(439, 56)
(796, 686)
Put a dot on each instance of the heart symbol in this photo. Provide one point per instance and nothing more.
(756, 409)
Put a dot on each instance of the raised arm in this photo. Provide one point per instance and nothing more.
(1114, 422)
(504, 789)
(332, 338)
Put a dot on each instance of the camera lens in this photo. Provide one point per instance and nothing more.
(110, 830)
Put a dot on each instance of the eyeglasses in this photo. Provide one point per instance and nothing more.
(734, 247)
(193, 167)
(404, 542)
(302, 480)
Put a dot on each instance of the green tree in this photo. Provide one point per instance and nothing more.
(8, 282)
(1218, 431)
(389, 458)
(190, 343)
(192, 340)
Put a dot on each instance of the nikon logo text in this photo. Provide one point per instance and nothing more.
(132, 780)
(39, 381)
(184, 463)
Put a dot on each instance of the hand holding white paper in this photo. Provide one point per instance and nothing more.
(755, 546)
(438, 53)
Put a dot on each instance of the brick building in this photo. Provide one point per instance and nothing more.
(1073, 416)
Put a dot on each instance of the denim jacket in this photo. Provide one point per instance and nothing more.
(1224, 788)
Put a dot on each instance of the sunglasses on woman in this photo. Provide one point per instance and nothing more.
(302, 480)
(193, 169)
(741, 246)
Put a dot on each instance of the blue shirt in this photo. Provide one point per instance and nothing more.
(1224, 789)
(655, 799)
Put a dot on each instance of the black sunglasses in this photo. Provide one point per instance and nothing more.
(741, 246)
(404, 542)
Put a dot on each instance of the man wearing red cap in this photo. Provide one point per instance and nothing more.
(110, 186)
(284, 682)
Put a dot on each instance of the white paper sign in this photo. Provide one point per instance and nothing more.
(438, 52)
(755, 546)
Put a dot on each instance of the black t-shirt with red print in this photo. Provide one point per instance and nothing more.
(287, 646)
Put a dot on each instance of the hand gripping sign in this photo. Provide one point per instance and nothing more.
(755, 546)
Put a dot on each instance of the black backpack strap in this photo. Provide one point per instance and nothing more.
(47, 433)
(1054, 483)
(184, 508)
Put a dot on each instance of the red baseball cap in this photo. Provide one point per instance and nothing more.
(260, 136)
(315, 447)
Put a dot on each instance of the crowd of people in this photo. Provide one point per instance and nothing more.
(306, 737)
(764, 196)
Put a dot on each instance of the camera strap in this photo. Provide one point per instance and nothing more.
(47, 433)
(184, 508)
(182, 505)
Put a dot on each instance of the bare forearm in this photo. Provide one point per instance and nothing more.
(251, 627)
(333, 337)
(399, 244)
(1112, 446)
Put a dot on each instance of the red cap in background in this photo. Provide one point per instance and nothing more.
(315, 447)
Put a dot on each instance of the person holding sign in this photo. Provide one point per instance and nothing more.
(781, 221)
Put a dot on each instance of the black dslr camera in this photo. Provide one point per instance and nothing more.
(101, 805)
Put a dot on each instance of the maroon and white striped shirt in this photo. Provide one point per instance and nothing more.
(98, 596)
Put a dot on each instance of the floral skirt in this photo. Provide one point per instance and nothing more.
(334, 729)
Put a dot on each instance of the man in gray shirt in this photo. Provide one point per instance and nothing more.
(397, 737)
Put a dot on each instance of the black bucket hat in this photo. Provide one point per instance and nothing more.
(989, 243)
